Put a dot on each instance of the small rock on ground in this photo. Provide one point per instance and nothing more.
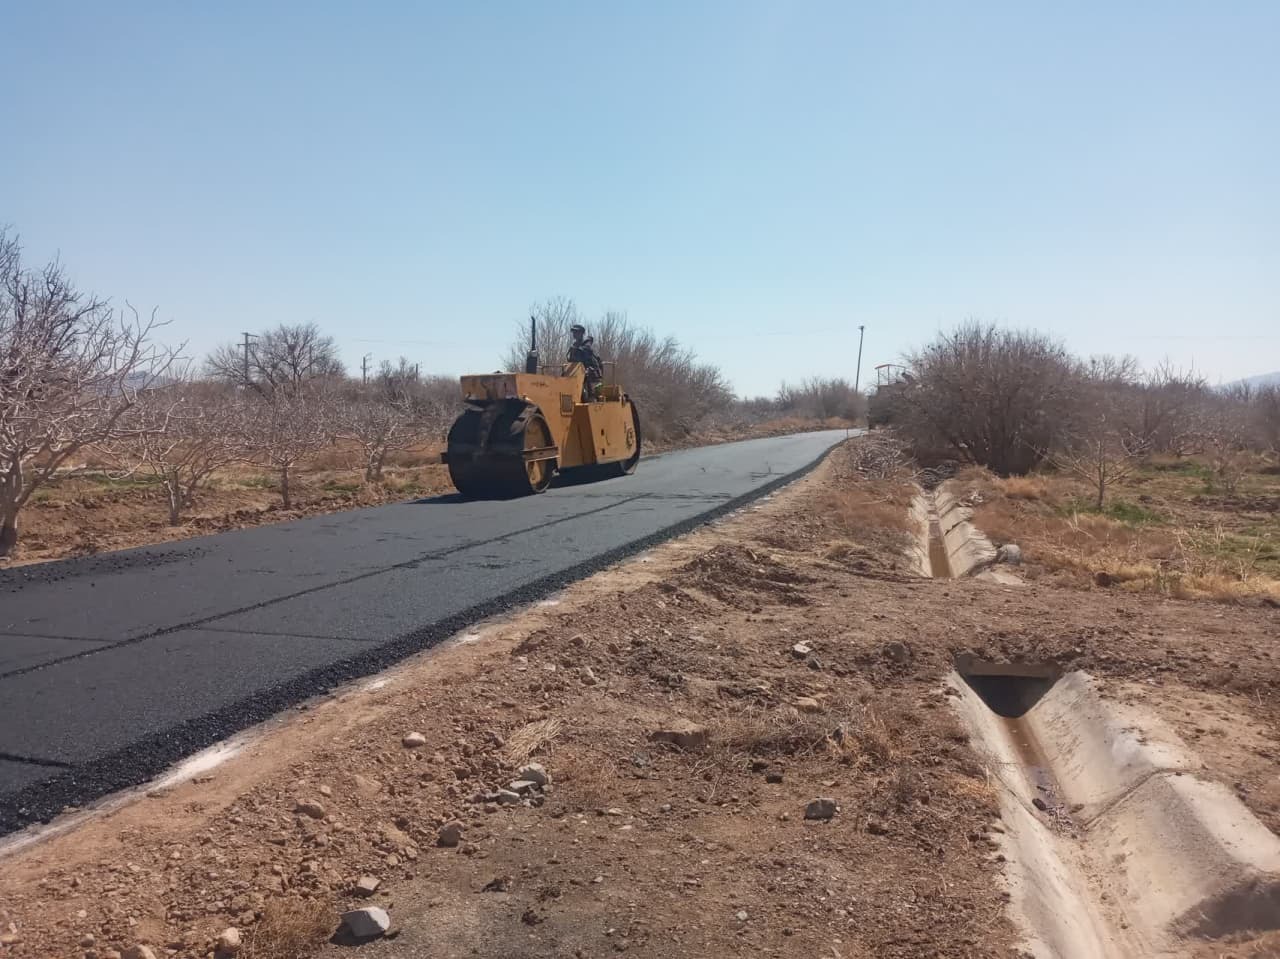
(450, 835)
(228, 942)
(898, 653)
(820, 808)
(367, 886)
(1010, 553)
(534, 773)
(366, 923)
(310, 807)
(414, 741)
(687, 737)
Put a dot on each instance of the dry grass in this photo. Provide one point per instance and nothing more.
(1167, 542)
(869, 511)
(1024, 487)
(853, 734)
(589, 778)
(290, 929)
(772, 732)
(531, 739)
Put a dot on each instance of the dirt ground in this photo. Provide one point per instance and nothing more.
(789, 640)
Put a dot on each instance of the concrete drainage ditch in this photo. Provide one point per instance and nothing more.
(1115, 848)
(946, 544)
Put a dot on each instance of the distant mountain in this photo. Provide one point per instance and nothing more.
(1262, 379)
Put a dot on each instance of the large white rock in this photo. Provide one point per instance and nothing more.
(367, 923)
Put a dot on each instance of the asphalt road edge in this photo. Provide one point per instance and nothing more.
(147, 758)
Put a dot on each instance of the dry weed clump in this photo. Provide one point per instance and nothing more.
(1024, 487)
(773, 732)
(290, 929)
(592, 778)
(852, 734)
(532, 738)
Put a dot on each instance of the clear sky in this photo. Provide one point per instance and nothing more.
(757, 178)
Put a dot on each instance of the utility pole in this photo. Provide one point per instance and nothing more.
(857, 376)
(247, 338)
(364, 368)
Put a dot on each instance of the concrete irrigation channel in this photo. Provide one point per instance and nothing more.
(1114, 846)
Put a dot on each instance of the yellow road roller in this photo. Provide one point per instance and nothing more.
(519, 430)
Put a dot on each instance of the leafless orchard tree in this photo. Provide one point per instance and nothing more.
(1100, 451)
(71, 368)
(284, 358)
(284, 428)
(185, 432)
(1266, 419)
(381, 424)
(1098, 442)
(1167, 416)
(1225, 432)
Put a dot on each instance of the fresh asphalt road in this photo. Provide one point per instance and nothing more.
(114, 666)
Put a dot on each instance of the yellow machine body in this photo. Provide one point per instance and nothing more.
(520, 429)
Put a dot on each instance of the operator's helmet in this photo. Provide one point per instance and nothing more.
(577, 330)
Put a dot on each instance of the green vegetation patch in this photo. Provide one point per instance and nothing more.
(340, 486)
(1122, 511)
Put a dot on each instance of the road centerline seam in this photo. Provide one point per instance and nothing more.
(406, 564)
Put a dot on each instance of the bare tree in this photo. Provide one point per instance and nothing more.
(1170, 403)
(1225, 431)
(71, 368)
(1100, 451)
(673, 391)
(184, 433)
(381, 423)
(995, 397)
(283, 358)
(284, 428)
(1266, 418)
(822, 399)
(1097, 442)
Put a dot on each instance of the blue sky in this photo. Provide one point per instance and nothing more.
(756, 178)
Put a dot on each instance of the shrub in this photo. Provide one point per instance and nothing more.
(996, 397)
